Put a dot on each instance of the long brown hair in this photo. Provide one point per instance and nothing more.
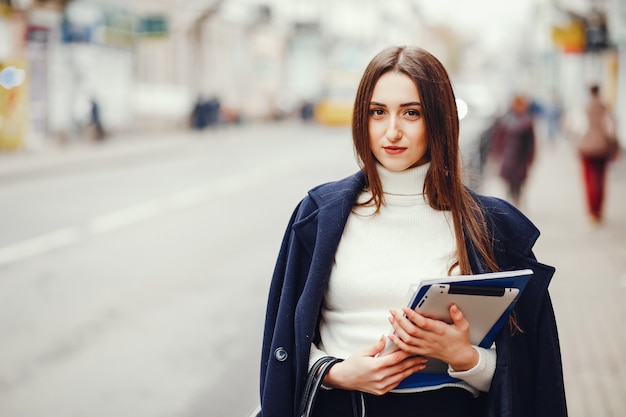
(443, 185)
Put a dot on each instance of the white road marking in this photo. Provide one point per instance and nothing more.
(126, 217)
(189, 197)
(129, 216)
(39, 245)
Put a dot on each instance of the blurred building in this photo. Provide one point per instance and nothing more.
(146, 62)
(589, 40)
(14, 70)
(73, 53)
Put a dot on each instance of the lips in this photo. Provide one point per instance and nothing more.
(394, 150)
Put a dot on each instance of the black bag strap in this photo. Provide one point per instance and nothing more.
(310, 381)
(314, 380)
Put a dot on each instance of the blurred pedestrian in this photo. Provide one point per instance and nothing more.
(306, 110)
(205, 113)
(554, 114)
(213, 107)
(514, 143)
(597, 147)
(95, 121)
(199, 118)
(354, 246)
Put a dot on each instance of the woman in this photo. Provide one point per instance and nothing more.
(597, 147)
(353, 246)
(514, 140)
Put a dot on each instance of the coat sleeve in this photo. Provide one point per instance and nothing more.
(279, 373)
(269, 403)
(536, 366)
(549, 389)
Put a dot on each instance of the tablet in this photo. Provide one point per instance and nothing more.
(483, 307)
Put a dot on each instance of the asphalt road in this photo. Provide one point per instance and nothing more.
(133, 276)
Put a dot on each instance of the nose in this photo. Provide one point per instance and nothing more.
(393, 130)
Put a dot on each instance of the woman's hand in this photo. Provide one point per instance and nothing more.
(418, 335)
(366, 372)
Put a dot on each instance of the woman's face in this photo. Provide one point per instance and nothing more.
(397, 133)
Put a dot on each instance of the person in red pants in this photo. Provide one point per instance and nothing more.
(594, 177)
(597, 147)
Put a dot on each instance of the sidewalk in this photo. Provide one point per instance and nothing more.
(589, 288)
(54, 155)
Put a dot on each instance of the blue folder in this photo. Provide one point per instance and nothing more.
(495, 280)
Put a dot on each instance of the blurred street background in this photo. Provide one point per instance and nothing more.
(151, 153)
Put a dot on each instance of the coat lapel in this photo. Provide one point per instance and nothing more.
(320, 231)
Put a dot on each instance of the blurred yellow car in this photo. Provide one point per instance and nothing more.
(335, 106)
(335, 109)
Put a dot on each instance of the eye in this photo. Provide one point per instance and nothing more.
(377, 112)
(412, 113)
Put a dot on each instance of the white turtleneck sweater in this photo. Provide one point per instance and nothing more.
(380, 255)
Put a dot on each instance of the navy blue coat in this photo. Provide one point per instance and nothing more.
(528, 380)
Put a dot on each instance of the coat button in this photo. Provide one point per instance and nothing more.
(280, 354)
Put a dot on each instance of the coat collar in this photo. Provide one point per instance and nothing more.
(323, 217)
(331, 203)
(333, 195)
(507, 224)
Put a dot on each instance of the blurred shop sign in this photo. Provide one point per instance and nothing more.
(118, 29)
(588, 33)
(570, 37)
(596, 38)
(12, 105)
(152, 26)
(38, 34)
(11, 77)
(596, 32)
(89, 23)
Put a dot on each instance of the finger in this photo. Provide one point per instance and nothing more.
(377, 347)
(408, 324)
(458, 318)
(399, 377)
(403, 329)
(411, 345)
(414, 317)
(392, 375)
(400, 344)
(425, 324)
(400, 360)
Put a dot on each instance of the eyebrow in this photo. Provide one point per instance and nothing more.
(409, 104)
